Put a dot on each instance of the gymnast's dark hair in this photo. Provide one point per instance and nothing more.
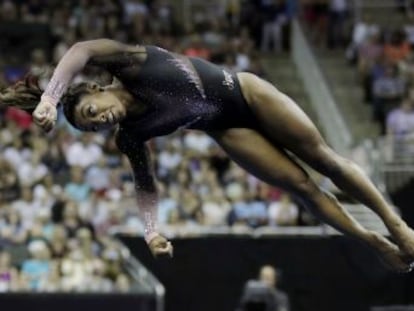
(25, 95)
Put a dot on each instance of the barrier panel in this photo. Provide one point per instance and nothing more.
(319, 273)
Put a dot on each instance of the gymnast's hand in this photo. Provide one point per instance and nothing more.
(45, 115)
(160, 247)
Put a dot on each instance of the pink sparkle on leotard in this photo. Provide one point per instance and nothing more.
(187, 68)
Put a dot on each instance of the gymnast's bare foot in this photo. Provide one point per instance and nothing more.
(390, 255)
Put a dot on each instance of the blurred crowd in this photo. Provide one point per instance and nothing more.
(61, 194)
(382, 55)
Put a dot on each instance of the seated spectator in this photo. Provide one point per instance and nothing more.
(85, 152)
(9, 182)
(40, 68)
(274, 17)
(258, 211)
(369, 53)
(71, 219)
(77, 189)
(122, 283)
(8, 274)
(362, 30)
(337, 22)
(17, 153)
(37, 267)
(27, 206)
(98, 176)
(22, 119)
(215, 208)
(168, 159)
(397, 49)
(52, 283)
(283, 212)
(400, 128)
(387, 91)
(197, 48)
(58, 246)
(169, 200)
(34, 11)
(32, 172)
(12, 231)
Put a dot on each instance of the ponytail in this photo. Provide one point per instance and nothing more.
(24, 94)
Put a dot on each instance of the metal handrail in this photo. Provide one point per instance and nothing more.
(141, 274)
(335, 128)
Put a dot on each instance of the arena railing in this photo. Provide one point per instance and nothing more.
(395, 161)
(334, 126)
(145, 280)
(196, 231)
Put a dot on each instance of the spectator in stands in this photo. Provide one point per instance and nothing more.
(58, 241)
(71, 219)
(316, 13)
(52, 282)
(338, 15)
(387, 91)
(34, 11)
(9, 182)
(84, 153)
(68, 39)
(8, 273)
(369, 53)
(12, 230)
(98, 176)
(400, 128)
(22, 119)
(17, 153)
(168, 160)
(122, 283)
(55, 160)
(283, 212)
(258, 210)
(27, 206)
(40, 67)
(362, 30)
(9, 11)
(77, 189)
(197, 48)
(169, 200)
(397, 49)
(215, 208)
(274, 18)
(32, 172)
(38, 266)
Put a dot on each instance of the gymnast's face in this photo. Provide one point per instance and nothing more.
(99, 109)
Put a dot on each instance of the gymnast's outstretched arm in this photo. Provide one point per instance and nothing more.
(72, 63)
(145, 188)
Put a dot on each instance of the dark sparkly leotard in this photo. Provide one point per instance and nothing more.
(179, 92)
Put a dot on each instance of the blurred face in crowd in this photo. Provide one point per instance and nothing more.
(5, 260)
(268, 276)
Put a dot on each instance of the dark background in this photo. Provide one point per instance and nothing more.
(318, 273)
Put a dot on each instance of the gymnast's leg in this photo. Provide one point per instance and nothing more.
(272, 165)
(285, 124)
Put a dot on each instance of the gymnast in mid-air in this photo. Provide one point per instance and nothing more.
(158, 92)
